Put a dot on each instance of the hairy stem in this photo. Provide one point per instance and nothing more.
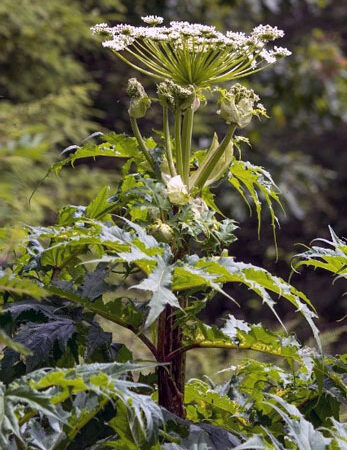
(187, 142)
(141, 142)
(168, 141)
(170, 378)
(178, 142)
(211, 159)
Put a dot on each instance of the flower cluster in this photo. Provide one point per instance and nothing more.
(192, 54)
(237, 105)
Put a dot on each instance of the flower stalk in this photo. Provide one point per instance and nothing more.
(178, 142)
(187, 143)
(168, 148)
(141, 142)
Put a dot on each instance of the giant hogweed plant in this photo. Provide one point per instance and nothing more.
(148, 256)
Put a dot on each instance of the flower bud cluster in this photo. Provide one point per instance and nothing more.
(174, 96)
(139, 100)
(237, 105)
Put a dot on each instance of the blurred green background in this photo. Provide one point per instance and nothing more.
(58, 85)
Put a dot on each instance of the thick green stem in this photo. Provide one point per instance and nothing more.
(212, 159)
(168, 141)
(187, 142)
(178, 142)
(141, 142)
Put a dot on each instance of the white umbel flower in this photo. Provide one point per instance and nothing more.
(152, 20)
(190, 53)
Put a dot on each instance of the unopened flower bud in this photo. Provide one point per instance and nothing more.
(236, 105)
(174, 96)
(162, 232)
(139, 100)
(177, 191)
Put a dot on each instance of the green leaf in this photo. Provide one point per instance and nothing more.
(121, 426)
(106, 381)
(119, 310)
(12, 398)
(300, 431)
(203, 402)
(100, 206)
(159, 283)
(250, 179)
(114, 146)
(237, 334)
(16, 286)
(332, 259)
(226, 269)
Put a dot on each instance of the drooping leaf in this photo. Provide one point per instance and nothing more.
(252, 180)
(105, 380)
(332, 258)
(114, 146)
(300, 431)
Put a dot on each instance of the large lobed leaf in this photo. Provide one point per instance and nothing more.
(238, 334)
(226, 269)
(44, 392)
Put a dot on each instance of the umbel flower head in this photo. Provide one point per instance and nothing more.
(192, 54)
